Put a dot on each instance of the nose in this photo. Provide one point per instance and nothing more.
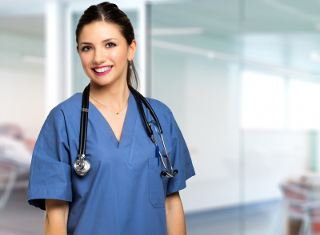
(99, 56)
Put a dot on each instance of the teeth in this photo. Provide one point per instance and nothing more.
(101, 70)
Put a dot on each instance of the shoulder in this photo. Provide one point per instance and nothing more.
(164, 114)
(68, 106)
(159, 107)
(71, 103)
(58, 123)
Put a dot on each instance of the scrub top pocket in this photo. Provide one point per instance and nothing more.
(156, 193)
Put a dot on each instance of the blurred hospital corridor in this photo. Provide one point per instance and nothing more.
(242, 78)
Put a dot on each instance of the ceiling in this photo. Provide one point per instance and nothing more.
(215, 17)
(31, 25)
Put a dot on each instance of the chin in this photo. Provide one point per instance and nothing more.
(103, 81)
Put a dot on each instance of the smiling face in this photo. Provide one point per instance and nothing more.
(104, 53)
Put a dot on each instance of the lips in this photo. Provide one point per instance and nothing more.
(98, 67)
(102, 70)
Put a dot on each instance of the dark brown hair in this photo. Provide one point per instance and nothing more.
(110, 13)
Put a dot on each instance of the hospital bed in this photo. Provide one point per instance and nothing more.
(302, 205)
(15, 160)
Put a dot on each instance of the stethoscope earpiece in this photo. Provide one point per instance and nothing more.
(169, 175)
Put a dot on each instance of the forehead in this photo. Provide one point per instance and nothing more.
(98, 31)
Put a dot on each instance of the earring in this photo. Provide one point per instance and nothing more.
(130, 64)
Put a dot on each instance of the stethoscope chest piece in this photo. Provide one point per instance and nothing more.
(81, 166)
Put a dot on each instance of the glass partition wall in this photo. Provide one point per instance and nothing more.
(195, 72)
(242, 79)
(279, 111)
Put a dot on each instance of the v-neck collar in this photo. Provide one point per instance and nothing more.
(104, 126)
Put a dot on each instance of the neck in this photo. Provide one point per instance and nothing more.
(113, 96)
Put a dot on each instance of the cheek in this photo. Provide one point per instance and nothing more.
(118, 56)
(85, 60)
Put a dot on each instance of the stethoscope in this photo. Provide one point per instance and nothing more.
(82, 166)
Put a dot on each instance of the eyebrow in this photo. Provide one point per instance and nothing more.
(106, 40)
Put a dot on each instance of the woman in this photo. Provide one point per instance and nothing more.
(124, 192)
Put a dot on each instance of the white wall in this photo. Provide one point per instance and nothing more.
(270, 158)
(232, 166)
(203, 96)
(22, 100)
(22, 83)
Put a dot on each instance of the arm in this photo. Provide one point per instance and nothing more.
(175, 216)
(56, 217)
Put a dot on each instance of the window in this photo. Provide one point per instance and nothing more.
(263, 101)
(304, 106)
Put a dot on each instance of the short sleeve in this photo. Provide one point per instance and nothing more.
(50, 170)
(180, 159)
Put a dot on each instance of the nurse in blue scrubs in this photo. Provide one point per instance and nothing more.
(124, 192)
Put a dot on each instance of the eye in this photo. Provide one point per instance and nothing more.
(85, 48)
(110, 44)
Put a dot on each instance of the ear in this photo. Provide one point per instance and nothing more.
(78, 49)
(132, 49)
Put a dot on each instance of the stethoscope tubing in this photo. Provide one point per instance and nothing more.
(82, 166)
(84, 121)
(140, 98)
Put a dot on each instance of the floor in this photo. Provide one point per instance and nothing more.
(18, 212)
(256, 219)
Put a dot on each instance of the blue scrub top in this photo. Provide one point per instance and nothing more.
(123, 193)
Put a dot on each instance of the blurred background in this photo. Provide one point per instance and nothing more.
(242, 78)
